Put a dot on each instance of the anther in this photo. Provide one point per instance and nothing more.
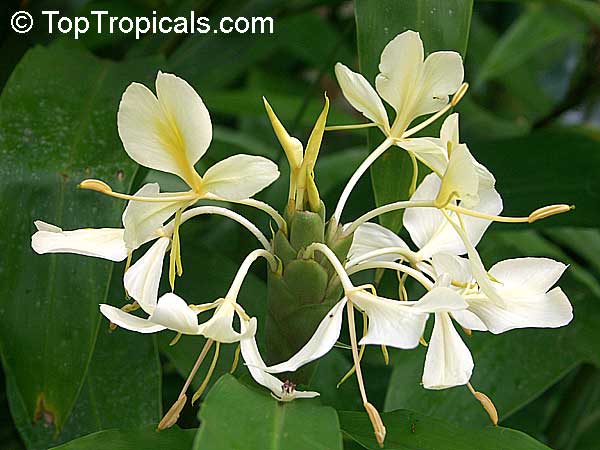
(548, 211)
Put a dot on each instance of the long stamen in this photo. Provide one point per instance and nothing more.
(103, 188)
(337, 214)
(378, 426)
(356, 126)
(418, 276)
(360, 354)
(386, 209)
(486, 402)
(540, 213)
(170, 418)
(457, 98)
(208, 376)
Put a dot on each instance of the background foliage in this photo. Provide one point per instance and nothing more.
(531, 116)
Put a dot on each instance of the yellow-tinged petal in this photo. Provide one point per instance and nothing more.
(460, 179)
(291, 146)
(167, 132)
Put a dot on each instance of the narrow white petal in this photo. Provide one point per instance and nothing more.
(361, 95)
(173, 313)
(256, 366)
(369, 237)
(448, 362)
(430, 151)
(143, 278)
(220, 326)
(169, 133)
(400, 66)
(104, 243)
(458, 268)
(460, 180)
(549, 310)
(391, 322)
(440, 299)
(469, 320)
(143, 219)
(129, 321)
(240, 176)
(442, 75)
(449, 131)
(527, 276)
(320, 343)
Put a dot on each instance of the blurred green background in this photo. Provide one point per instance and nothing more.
(531, 115)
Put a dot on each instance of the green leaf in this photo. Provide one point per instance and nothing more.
(537, 28)
(515, 367)
(414, 431)
(57, 113)
(146, 438)
(443, 25)
(544, 168)
(237, 416)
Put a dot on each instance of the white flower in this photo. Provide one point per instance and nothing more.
(220, 326)
(412, 85)
(523, 284)
(171, 131)
(171, 312)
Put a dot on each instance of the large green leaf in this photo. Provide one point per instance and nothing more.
(57, 115)
(515, 367)
(410, 430)
(546, 167)
(443, 25)
(146, 438)
(236, 417)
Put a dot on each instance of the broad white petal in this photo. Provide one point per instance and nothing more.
(143, 278)
(430, 151)
(320, 343)
(400, 67)
(527, 276)
(440, 299)
(240, 176)
(361, 95)
(460, 180)
(104, 243)
(442, 74)
(469, 320)
(256, 367)
(369, 237)
(129, 321)
(169, 133)
(458, 268)
(220, 326)
(448, 362)
(173, 313)
(549, 310)
(143, 219)
(391, 322)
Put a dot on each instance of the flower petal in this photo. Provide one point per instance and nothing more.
(469, 320)
(442, 74)
(129, 321)
(240, 176)
(527, 276)
(143, 219)
(460, 179)
(169, 133)
(458, 268)
(320, 343)
(361, 95)
(449, 131)
(390, 321)
(400, 65)
(220, 326)
(440, 299)
(371, 236)
(256, 367)
(104, 243)
(430, 151)
(173, 313)
(143, 278)
(448, 362)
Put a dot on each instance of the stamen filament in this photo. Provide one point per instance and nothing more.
(277, 218)
(103, 188)
(418, 276)
(403, 252)
(236, 359)
(457, 98)
(351, 127)
(208, 376)
(360, 355)
(387, 143)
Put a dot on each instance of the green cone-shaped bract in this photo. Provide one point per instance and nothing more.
(301, 296)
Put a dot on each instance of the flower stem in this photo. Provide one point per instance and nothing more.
(385, 209)
(418, 276)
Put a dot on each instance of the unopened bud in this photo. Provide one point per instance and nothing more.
(95, 185)
(548, 211)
